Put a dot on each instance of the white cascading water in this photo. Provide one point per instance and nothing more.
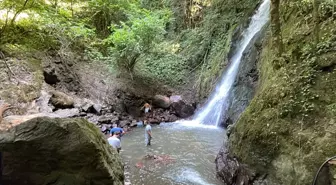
(216, 107)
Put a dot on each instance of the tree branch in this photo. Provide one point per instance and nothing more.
(19, 11)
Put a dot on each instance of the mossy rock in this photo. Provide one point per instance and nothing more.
(58, 151)
(289, 129)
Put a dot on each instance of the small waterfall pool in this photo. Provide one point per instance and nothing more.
(185, 152)
(187, 155)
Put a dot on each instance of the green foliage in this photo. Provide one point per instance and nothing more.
(164, 67)
(103, 13)
(137, 36)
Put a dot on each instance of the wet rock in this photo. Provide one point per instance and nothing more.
(52, 151)
(124, 123)
(161, 101)
(229, 130)
(171, 118)
(182, 109)
(97, 108)
(139, 165)
(246, 81)
(134, 123)
(230, 170)
(162, 159)
(159, 115)
(61, 100)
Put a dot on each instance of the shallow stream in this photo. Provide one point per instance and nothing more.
(184, 155)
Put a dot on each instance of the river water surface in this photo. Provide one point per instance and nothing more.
(186, 155)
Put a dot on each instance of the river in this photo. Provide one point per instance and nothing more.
(188, 155)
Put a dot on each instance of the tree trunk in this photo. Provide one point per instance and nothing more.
(19, 11)
(71, 7)
(276, 27)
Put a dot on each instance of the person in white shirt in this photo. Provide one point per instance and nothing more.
(114, 141)
(148, 133)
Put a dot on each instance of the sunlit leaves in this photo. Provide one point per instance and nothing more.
(137, 36)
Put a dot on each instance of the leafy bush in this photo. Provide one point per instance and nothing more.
(137, 36)
(165, 67)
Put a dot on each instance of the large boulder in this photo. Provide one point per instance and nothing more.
(182, 109)
(246, 81)
(161, 101)
(61, 100)
(58, 151)
(13, 120)
(161, 115)
(90, 107)
(230, 170)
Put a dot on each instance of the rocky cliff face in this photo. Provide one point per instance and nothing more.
(288, 129)
(227, 165)
(246, 81)
(58, 151)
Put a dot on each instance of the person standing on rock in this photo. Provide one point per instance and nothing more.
(117, 129)
(147, 108)
(114, 141)
(148, 133)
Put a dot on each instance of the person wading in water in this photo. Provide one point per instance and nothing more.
(117, 129)
(114, 141)
(148, 133)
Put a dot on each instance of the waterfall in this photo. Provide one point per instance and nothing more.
(217, 105)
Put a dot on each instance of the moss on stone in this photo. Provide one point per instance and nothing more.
(288, 129)
(59, 151)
